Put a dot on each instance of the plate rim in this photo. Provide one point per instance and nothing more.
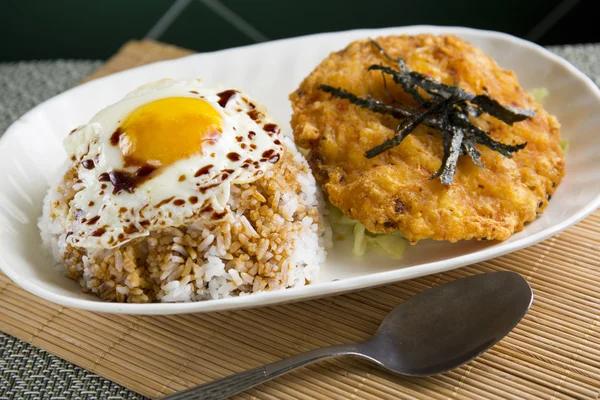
(325, 288)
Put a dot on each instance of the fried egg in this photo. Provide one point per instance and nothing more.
(164, 155)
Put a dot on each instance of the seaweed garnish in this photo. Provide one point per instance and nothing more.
(443, 107)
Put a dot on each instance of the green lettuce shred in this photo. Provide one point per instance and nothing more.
(360, 240)
(393, 245)
(540, 94)
(303, 151)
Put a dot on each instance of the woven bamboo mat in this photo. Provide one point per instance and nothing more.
(554, 353)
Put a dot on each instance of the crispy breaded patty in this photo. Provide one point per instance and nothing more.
(393, 191)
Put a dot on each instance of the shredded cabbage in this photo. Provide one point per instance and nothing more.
(360, 240)
(392, 245)
(303, 151)
(540, 94)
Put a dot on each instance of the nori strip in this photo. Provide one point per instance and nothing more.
(382, 108)
(391, 96)
(401, 63)
(405, 128)
(468, 145)
(368, 103)
(402, 78)
(446, 142)
(482, 137)
(447, 110)
(505, 114)
(452, 159)
(376, 105)
(483, 102)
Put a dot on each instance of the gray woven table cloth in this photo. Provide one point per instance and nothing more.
(27, 372)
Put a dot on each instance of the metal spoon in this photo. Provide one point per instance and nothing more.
(430, 333)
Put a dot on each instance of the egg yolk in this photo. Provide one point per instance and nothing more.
(167, 130)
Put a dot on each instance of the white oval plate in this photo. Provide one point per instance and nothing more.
(31, 151)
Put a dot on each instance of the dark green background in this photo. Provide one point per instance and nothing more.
(46, 29)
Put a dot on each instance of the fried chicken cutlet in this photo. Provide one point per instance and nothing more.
(393, 191)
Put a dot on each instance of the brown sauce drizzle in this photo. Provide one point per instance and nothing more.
(193, 91)
(218, 215)
(239, 138)
(116, 136)
(179, 202)
(193, 199)
(203, 171)
(126, 181)
(274, 159)
(225, 96)
(233, 156)
(277, 142)
(88, 164)
(205, 188)
(145, 170)
(165, 201)
(91, 204)
(99, 232)
(254, 115)
(244, 146)
(181, 178)
(253, 146)
(251, 134)
(131, 228)
(273, 128)
(208, 208)
(93, 220)
(268, 153)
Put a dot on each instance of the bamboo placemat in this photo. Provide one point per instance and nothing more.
(554, 353)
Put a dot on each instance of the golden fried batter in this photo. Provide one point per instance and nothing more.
(392, 191)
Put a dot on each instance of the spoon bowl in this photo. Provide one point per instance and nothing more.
(433, 332)
(446, 326)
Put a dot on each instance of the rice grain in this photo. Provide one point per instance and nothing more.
(272, 237)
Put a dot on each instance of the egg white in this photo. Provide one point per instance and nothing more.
(99, 218)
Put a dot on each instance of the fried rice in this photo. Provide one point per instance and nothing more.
(274, 237)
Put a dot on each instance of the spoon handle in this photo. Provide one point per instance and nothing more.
(232, 384)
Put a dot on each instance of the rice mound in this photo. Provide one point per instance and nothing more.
(274, 237)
